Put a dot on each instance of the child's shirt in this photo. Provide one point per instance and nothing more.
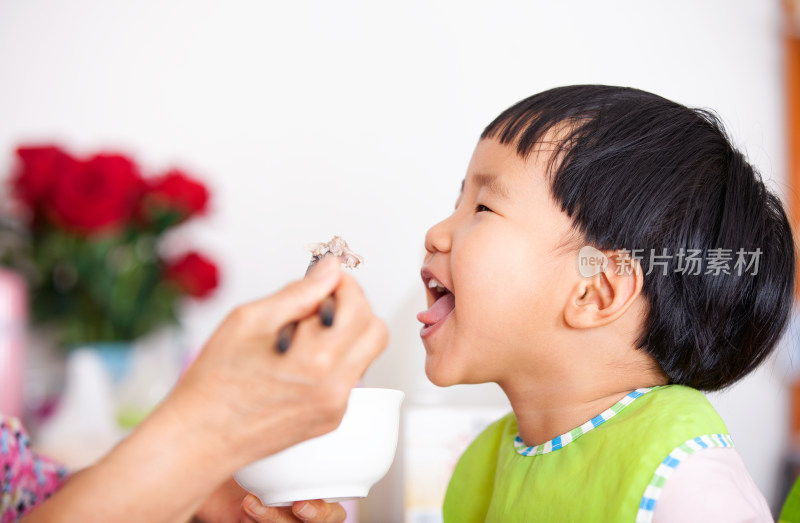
(612, 468)
(28, 479)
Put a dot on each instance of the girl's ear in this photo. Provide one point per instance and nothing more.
(604, 297)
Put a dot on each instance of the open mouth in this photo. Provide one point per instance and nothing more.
(436, 289)
(444, 302)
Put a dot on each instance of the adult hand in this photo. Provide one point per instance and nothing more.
(238, 402)
(230, 503)
(256, 401)
(314, 511)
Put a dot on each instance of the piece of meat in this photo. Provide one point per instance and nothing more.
(339, 248)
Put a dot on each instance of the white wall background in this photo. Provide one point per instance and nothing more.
(358, 118)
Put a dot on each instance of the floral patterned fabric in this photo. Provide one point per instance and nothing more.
(28, 479)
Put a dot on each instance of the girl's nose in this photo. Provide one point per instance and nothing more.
(439, 237)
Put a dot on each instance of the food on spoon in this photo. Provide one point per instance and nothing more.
(336, 247)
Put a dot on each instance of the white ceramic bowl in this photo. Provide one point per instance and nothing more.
(340, 465)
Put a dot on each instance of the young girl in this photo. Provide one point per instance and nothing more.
(610, 255)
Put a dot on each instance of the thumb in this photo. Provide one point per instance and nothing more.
(319, 511)
(301, 298)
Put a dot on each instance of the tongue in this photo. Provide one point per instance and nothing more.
(438, 310)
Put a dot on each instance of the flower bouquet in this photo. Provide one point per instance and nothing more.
(89, 234)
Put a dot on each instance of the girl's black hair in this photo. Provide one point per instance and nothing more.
(636, 171)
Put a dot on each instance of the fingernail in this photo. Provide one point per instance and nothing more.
(255, 507)
(307, 511)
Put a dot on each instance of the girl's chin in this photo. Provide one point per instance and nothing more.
(440, 375)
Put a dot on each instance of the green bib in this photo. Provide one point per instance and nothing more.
(610, 469)
(790, 513)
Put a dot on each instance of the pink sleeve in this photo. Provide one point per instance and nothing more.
(28, 479)
(711, 485)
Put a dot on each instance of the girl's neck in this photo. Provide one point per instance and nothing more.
(545, 412)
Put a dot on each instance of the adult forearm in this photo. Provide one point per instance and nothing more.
(157, 474)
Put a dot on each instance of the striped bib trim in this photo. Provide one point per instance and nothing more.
(668, 466)
(568, 437)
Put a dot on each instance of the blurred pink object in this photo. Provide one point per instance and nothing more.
(13, 323)
(351, 507)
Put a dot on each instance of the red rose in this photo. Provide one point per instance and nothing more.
(195, 275)
(175, 192)
(101, 195)
(38, 167)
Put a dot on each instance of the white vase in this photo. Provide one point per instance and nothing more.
(108, 389)
(83, 427)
